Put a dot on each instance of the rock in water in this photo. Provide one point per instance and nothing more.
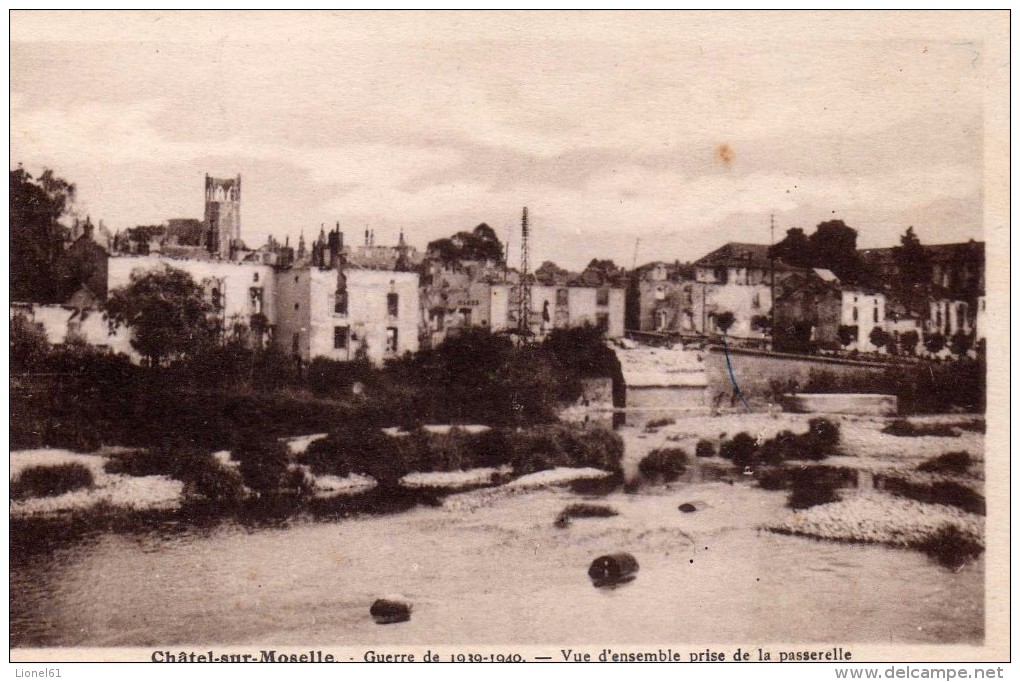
(693, 506)
(394, 609)
(613, 569)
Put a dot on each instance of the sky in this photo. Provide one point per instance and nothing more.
(635, 137)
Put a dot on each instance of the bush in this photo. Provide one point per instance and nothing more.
(773, 478)
(492, 448)
(451, 451)
(72, 432)
(264, 463)
(583, 510)
(948, 463)
(775, 451)
(811, 486)
(951, 547)
(824, 431)
(908, 429)
(792, 446)
(920, 387)
(203, 476)
(948, 493)
(562, 445)
(212, 481)
(347, 450)
(50, 481)
(976, 425)
(669, 463)
(704, 448)
(741, 449)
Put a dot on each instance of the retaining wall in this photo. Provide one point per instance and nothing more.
(756, 371)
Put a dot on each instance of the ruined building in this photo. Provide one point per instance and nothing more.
(222, 215)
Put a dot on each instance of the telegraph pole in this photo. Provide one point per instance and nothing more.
(772, 280)
(524, 303)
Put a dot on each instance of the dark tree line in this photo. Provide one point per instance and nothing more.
(833, 246)
(36, 235)
(480, 244)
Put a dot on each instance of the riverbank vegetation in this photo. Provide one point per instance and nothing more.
(919, 387)
(77, 397)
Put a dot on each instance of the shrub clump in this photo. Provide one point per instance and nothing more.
(658, 423)
(948, 463)
(214, 482)
(811, 486)
(741, 449)
(773, 478)
(823, 432)
(948, 493)
(908, 429)
(583, 510)
(976, 425)
(203, 476)
(704, 448)
(669, 463)
(951, 547)
(50, 481)
(367, 450)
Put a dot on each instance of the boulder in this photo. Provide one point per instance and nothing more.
(613, 569)
(392, 609)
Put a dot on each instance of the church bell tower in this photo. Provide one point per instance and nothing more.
(222, 214)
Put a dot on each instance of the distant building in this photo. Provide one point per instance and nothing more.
(222, 215)
(240, 293)
(82, 270)
(736, 278)
(663, 294)
(864, 310)
(337, 314)
(808, 309)
(559, 307)
(949, 302)
(455, 296)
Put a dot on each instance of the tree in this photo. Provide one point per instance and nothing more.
(37, 237)
(29, 346)
(167, 313)
(762, 323)
(834, 246)
(724, 321)
(878, 337)
(912, 263)
(550, 274)
(263, 463)
(480, 244)
(794, 249)
(847, 334)
(601, 273)
(934, 343)
(960, 343)
(908, 342)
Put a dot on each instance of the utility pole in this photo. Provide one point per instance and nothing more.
(524, 302)
(637, 243)
(772, 280)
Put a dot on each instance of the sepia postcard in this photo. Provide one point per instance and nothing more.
(504, 337)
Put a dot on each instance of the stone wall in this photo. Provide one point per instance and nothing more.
(755, 372)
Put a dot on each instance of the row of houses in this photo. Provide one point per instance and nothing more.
(331, 298)
(737, 290)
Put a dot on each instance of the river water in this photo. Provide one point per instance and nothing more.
(493, 570)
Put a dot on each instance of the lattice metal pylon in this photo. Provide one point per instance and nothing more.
(524, 301)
